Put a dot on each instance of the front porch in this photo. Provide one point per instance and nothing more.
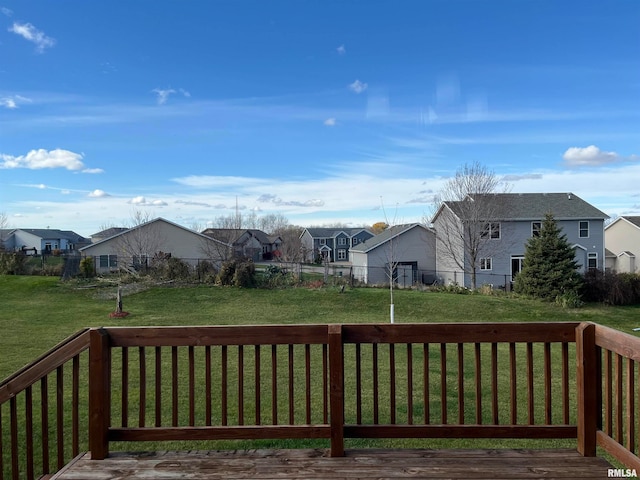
(123, 389)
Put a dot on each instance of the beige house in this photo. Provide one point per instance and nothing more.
(138, 246)
(622, 241)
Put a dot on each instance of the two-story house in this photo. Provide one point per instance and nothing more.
(42, 240)
(332, 244)
(503, 233)
(249, 243)
(622, 239)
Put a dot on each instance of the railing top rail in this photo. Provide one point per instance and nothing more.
(216, 335)
(619, 342)
(45, 364)
(462, 332)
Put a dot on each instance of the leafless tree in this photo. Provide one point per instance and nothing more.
(142, 241)
(274, 223)
(4, 223)
(291, 248)
(465, 220)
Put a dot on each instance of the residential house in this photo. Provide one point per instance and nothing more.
(515, 217)
(249, 243)
(331, 244)
(622, 239)
(137, 246)
(42, 240)
(107, 233)
(406, 253)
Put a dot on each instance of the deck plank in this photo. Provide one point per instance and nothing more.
(312, 464)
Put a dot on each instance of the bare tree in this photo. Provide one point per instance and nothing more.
(291, 248)
(274, 223)
(142, 241)
(4, 223)
(465, 221)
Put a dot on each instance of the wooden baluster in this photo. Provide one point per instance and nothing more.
(478, 363)
(409, 384)
(124, 408)
(192, 386)
(307, 369)
(460, 383)
(443, 383)
(530, 392)
(158, 409)
(257, 383)
(513, 384)
(494, 383)
(425, 383)
(274, 384)
(142, 408)
(392, 382)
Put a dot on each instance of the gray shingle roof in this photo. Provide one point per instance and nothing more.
(534, 206)
(634, 220)
(323, 232)
(383, 237)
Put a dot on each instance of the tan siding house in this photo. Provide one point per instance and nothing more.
(622, 240)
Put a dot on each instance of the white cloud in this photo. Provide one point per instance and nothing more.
(32, 34)
(589, 156)
(164, 93)
(141, 201)
(341, 50)
(6, 11)
(358, 86)
(39, 159)
(13, 101)
(97, 193)
(330, 122)
(93, 170)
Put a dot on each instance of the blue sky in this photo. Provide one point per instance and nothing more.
(322, 111)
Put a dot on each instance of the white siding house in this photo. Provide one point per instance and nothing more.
(622, 239)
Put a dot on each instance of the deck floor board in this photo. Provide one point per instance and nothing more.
(315, 464)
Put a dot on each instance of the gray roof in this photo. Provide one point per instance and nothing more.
(233, 234)
(384, 237)
(110, 232)
(534, 206)
(52, 233)
(324, 232)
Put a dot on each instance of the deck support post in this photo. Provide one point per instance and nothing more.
(336, 389)
(587, 385)
(99, 393)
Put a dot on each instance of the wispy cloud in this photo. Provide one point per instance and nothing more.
(271, 198)
(341, 50)
(330, 122)
(143, 202)
(164, 93)
(39, 159)
(13, 101)
(6, 11)
(32, 34)
(358, 86)
(93, 170)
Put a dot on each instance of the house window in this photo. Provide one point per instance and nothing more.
(491, 230)
(584, 229)
(485, 263)
(342, 241)
(535, 229)
(107, 261)
(592, 260)
(323, 241)
(342, 254)
(355, 241)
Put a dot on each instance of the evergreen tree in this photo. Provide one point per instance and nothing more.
(549, 269)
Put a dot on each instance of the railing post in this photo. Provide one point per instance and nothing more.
(336, 389)
(587, 386)
(99, 393)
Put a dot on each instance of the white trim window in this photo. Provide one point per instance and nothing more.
(342, 241)
(584, 229)
(592, 260)
(486, 263)
(342, 254)
(491, 231)
(535, 229)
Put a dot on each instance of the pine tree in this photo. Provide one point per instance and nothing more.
(549, 269)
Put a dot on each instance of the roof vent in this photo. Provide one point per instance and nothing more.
(569, 196)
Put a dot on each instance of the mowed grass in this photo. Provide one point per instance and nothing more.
(38, 312)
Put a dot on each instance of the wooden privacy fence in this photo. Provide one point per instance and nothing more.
(332, 382)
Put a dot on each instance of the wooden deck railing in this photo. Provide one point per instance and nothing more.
(39, 425)
(332, 382)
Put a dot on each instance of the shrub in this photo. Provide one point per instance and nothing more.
(87, 269)
(12, 264)
(206, 271)
(612, 288)
(225, 276)
(244, 275)
(275, 277)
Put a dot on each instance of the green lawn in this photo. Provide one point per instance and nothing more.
(38, 312)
